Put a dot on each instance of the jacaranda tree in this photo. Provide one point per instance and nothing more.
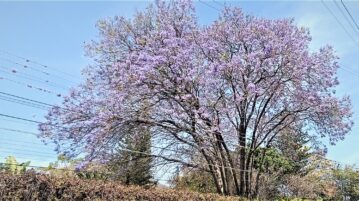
(216, 93)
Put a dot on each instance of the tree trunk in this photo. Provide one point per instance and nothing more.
(259, 173)
(232, 168)
(242, 158)
(215, 180)
(249, 172)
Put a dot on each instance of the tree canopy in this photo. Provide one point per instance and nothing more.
(218, 92)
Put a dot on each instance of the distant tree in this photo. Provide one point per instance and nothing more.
(133, 164)
(347, 180)
(11, 165)
(67, 167)
(62, 167)
(295, 147)
(317, 183)
(228, 87)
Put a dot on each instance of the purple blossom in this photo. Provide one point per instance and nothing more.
(189, 80)
(80, 166)
(251, 88)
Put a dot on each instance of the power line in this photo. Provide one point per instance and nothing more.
(26, 152)
(16, 121)
(14, 72)
(357, 26)
(338, 21)
(209, 5)
(22, 142)
(25, 158)
(216, 2)
(35, 166)
(23, 65)
(212, 165)
(346, 17)
(48, 168)
(36, 134)
(30, 86)
(26, 66)
(36, 63)
(28, 99)
(29, 104)
(19, 131)
(23, 58)
(36, 149)
(162, 148)
(145, 153)
(357, 74)
(46, 104)
(27, 120)
(19, 118)
(126, 150)
(350, 71)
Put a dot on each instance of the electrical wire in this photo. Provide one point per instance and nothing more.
(338, 21)
(22, 142)
(28, 99)
(128, 150)
(19, 131)
(16, 73)
(48, 168)
(19, 118)
(26, 66)
(29, 86)
(209, 5)
(36, 63)
(29, 104)
(216, 2)
(26, 152)
(346, 17)
(346, 8)
(16, 121)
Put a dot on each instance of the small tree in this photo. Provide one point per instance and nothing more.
(133, 164)
(347, 179)
(14, 167)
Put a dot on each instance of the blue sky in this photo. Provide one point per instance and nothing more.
(53, 33)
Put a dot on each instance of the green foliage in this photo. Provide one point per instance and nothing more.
(347, 179)
(134, 166)
(296, 199)
(63, 162)
(66, 167)
(273, 161)
(288, 154)
(284, 166)
(14, 167)
(94, 175)
(63, 166)
(293, 147)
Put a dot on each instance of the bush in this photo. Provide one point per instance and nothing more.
(36, 186)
